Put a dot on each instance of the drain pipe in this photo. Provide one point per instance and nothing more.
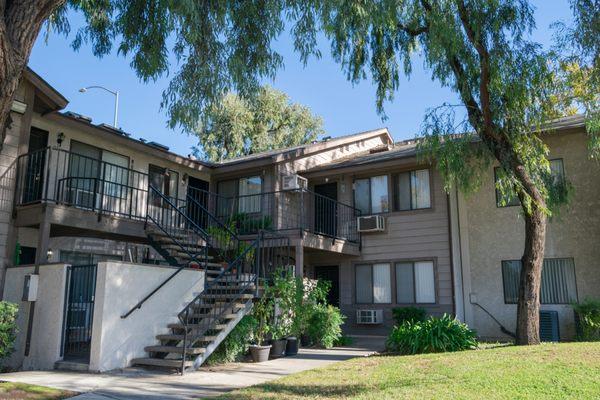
(502, 327)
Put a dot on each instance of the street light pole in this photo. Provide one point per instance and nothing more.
(114, 93)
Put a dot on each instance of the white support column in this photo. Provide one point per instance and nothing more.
(43, 243)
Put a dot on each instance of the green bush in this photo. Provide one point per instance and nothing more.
(409, 314)
(235, 346)
(434, 335)
(8, 328)
(588, 313)
(324, 327)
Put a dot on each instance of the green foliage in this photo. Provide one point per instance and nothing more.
(8, 327)
(309, 295)
(283, 291)
(588, 312)
(248, 224)
(409, 314)
(262, 311)
(324, 325)
(235, 346)
(343, 341)
(236, 127)
(434, 335)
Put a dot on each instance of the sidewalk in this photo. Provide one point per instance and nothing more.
(134, 383)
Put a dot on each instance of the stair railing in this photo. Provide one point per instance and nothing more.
(181, 230)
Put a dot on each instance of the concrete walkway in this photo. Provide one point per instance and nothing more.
(134, 383)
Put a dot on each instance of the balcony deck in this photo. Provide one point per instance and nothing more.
(81, 196)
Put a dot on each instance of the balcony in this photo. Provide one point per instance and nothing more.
(85, 194)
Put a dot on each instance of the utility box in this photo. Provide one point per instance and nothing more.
(30, 287)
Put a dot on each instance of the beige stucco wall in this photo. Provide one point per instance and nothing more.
(119, 287)
(491, 234)
(46, 331)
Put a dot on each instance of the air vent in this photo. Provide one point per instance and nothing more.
(158, 146)
(549, 331)
(371, 223)
(78, 116)
(113, 129)
(369, 317)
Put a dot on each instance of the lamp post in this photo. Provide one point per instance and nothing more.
(114, 93)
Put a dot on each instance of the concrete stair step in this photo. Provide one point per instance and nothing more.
(160, 362)
(174, 349)
(244, 296)
(179, 325)
(177, 337)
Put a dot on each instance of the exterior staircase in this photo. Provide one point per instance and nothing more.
(232, 268)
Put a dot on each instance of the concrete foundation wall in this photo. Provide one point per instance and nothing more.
(115, 341)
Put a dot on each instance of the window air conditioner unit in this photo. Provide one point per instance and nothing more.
(294, 182)
(371, 223)
(369, 317)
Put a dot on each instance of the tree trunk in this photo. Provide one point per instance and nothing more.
(20, 24)
(528, 308)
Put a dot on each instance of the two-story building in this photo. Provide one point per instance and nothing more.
(119, 251)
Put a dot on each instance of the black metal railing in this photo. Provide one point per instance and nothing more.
(61, 176)
(240, 277)
(79, 312)
(283, 210)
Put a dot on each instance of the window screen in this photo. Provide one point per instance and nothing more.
(415, 282)
(412, 190)
(382, 289)
(364, 284)
(250, 194)
(362, 196)
(558, 281)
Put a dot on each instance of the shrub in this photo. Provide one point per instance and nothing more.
(434, 335)
(324, 327)
(409, 314)
(8, 328)
(588, 317)
(235, 346)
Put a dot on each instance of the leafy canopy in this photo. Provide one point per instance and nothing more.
(236, 127)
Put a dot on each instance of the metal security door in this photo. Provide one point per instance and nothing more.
(79, 312)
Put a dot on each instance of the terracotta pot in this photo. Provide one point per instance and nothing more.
(260, 353)
(278, 348)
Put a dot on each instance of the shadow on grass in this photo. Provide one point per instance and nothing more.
(275, 390)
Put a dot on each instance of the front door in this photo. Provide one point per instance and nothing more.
(326, 209)
(198, 192)
(330, 273)
(33, 184)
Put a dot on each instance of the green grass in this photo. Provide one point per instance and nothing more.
(548, 371)
(14, 390)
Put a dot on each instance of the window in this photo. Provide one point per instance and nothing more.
(415, 282)
(371, 195)
(373, 283)
(116, 174)
(83, 258)
(247, 190)
(558, 281)
(163, 180)
(411, 190)
(509, 199)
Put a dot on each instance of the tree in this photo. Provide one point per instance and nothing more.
(478, 48)
(236, 127)
(506, 88)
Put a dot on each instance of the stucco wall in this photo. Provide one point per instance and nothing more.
(13, 292)
(46, 333)
(115, 341)
(493, 234)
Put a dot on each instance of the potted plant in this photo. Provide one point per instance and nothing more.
(262, 312)
(278, 341)
(284, 291)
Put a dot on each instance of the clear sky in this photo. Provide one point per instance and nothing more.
(321, 85)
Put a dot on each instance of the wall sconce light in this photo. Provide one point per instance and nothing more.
(60, 138)
(49, 254)
(184, 178)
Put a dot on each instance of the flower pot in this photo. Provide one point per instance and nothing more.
(278, 348)
(291, 348)
(260, 353)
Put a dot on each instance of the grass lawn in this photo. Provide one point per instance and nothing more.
(13, 390)
(548, 371)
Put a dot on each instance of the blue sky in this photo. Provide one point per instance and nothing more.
(321, 85)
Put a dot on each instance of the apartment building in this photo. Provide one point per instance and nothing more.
(117, 249)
